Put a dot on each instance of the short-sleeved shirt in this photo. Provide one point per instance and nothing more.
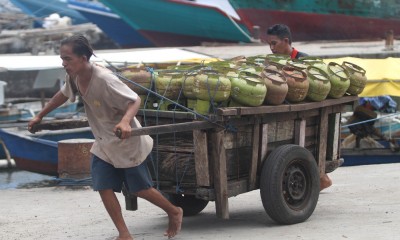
(296, 54)
(106, 102)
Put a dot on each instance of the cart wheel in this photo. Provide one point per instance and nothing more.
(289, 184)
(189, 203)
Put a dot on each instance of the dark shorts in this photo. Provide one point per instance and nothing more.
(106, 176)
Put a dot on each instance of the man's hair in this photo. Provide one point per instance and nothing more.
(280, 30)
(80, 45)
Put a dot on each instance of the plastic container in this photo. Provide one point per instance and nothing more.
(297, 82)
(248, 89)
(277, 87)
(319, 84)
(339, 79)
(358, 80)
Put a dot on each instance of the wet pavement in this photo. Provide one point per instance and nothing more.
(14, 178)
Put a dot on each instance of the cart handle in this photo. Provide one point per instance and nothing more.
(169, 128)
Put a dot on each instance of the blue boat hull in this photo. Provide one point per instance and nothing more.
(39, 152)
(41, 9)
(355, 157)
(366, 156)
(111, 24)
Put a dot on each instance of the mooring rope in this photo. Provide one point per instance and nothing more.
(370, 120)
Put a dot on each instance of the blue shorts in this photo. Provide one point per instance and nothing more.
(106, 176)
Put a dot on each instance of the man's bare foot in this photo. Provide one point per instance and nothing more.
(124, 238)
(325, 182)
(175, 223)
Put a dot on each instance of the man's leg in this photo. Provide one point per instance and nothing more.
(175, 214)
(113, 208)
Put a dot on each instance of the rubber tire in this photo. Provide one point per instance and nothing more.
(290, 204)
(189, 203)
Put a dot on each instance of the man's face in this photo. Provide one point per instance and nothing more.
(71, 62)
(277, 45)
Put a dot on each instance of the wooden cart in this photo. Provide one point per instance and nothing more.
(281, 150)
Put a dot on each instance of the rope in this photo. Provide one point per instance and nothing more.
(46, 6)
(209, 94)
(155, 162)
(170, 100)
(370, 120)
(178, 179)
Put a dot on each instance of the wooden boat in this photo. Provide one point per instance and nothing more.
(323, 20)
(373, 150)
(366, 156)
(182, 23)
(110, 23)
(38, 152)
(26, 40)
(23, 109)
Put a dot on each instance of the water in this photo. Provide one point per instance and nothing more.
(12, 179)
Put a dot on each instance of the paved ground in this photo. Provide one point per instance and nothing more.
(325, 49)
(362, 204)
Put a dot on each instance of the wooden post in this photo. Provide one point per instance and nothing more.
(333, 146)
(131, 203)
(263, 143)
(254, 155)
(42, 97)
(322, 139)
(389, 40)
(256, 32)
(333, 137)
(201, 158)
(218, 159)
(74, 158)
(300, 132)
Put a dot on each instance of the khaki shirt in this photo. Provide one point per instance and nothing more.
(106, 102)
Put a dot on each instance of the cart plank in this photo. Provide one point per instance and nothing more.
(254, 156)
(201, 158)
(322, 140)
(286, 107)
(264, 144)
(218, 158)
(300, 132)
(333, 137)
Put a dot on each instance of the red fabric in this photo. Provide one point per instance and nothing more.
(294, 53)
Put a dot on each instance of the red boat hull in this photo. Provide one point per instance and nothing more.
(311, 26)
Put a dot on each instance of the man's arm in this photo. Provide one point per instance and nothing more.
(124, 125)
(57, 100)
